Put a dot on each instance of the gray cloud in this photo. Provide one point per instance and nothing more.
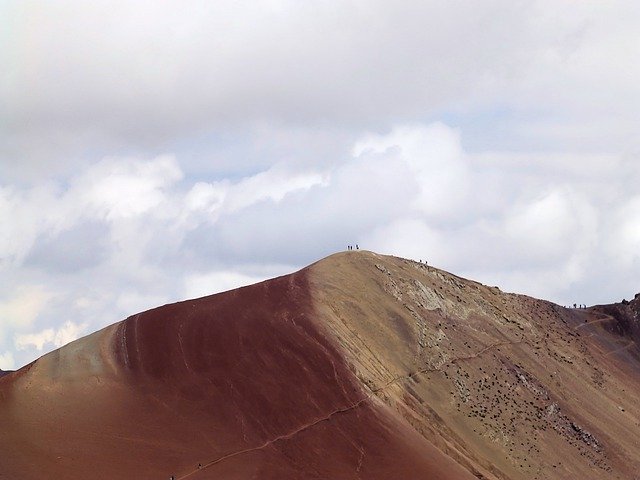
(82, 247)
(127, 234)
(496, 139)
(112, 76)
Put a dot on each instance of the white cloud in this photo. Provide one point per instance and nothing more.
(68, 332)
(200, 285)
(273, 184)
(35, 340)
(623, 243)
(206, 197)
(31, 213)
(410, 237)
(413, 191)
(551, 226)
(434, 154)
(544, 224)
(225, 197)
(113, 190)
(6, 361)
(58, 337)
(124, 188)
(528, 179)
(132, 302)
(23, 306)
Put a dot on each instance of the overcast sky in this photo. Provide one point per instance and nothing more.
(157, 151)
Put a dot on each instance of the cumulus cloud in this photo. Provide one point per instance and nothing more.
(151, 153)
(36, 340)
(548, 225)
(6, 361)
(123, 188)
(68, 332)
(433, 154)
(153, 236)
(22, 305)
(412, 191)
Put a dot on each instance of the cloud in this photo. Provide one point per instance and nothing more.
(123, 188)
(410, 237)
(23, 306)
(30, 213)
(153, 151)
(200, 285)
(112, 76)
(307, 223)
(36, 340)
(224, 197)
(434, 155)
(535, 224)
(68, 332)
(625, 237)
(82, 246)
(6, 361)
(551, 227)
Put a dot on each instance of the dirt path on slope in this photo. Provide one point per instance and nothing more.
(604, 318)
(625, 347)
(348, 408)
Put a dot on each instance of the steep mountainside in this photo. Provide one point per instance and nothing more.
(360, 366)
(508, 386)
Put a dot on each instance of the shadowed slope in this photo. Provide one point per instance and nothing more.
(245, 384)
(617, 330)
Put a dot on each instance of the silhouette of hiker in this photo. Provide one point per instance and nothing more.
(357, 247)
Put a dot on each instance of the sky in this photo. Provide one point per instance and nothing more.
(158, 151)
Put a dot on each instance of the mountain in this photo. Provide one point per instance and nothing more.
(360, 366)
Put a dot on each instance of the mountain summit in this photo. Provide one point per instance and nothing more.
(360, 366)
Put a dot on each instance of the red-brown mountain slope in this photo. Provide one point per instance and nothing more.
(360, 366)
(245, 384)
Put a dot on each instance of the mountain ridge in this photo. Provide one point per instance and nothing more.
(448, 378)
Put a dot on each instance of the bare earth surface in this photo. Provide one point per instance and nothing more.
(360, 366)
